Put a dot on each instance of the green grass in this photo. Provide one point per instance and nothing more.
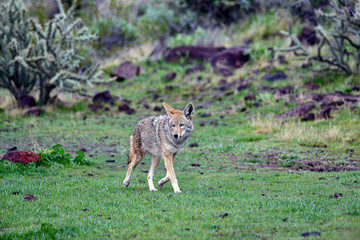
(257, 204)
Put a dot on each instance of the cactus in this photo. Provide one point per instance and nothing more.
(16, 50)
(339, 46)
(46, 56)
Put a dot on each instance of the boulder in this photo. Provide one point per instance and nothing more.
(299, 111)
(103, 97)
(126, 108)
(234, 57)
(26, 102)
(274, 76)
(23, 157)
(126, 70)
(192, 53)
(169, 77)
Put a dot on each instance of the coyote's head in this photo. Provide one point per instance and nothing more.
(181, 124)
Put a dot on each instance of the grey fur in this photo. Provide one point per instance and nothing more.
(162, 136)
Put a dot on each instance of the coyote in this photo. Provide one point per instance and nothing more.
(160, 136)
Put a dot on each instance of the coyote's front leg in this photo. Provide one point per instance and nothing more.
(169, 163)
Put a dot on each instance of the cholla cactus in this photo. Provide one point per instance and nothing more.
(48, 56)
(339, 46)
(16, 50)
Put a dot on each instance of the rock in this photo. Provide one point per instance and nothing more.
(26, 102)
(126, 70)
(308, 36)
(126, 108)
(169, 77)
(309, 117)
(299, 111)
(11, 149)
(336, 195)
(29, 197)
(324, 113)
(83, 149)
(250, 97)
(94, 107)
(34, 111)
(234, 57)
(169, 87)
(103, 97)
(157, 109)
(274, 76)
(193, 144)
(204, 115)
(23, 157)
(15, 193)
(222, 215)
(285, 90)
(194, 69)
(214, 122)
(308, 234)
(141, 181)
(191, 52)
(146, 105)
(225, 86)
(195, 164)
(110, 160)
(310, 86)
(243, 86)
(354, 87)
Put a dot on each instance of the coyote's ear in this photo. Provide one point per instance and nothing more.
(189, 111)
(169, 110)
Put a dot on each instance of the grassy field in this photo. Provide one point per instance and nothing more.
(247, 169)
(256, 176)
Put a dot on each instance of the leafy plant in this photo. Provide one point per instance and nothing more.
(258, 51)
(57, 154)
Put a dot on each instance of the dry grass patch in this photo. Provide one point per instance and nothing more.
(325, 135)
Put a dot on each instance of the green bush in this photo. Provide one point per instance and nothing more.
(57, 154)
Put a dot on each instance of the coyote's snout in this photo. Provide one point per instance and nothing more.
(162, 136)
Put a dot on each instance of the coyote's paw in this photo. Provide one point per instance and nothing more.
(161, 183)
(177, 191)
(153, 189)
(126, 183)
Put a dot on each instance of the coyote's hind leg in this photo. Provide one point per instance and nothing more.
(136, 154)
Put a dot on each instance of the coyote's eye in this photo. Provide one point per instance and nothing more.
(181, 125)
(173, 125)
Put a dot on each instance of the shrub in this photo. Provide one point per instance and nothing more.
(339, 46)
(57, 154)
(48, 56)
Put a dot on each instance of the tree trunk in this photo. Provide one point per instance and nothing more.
(45, 90)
